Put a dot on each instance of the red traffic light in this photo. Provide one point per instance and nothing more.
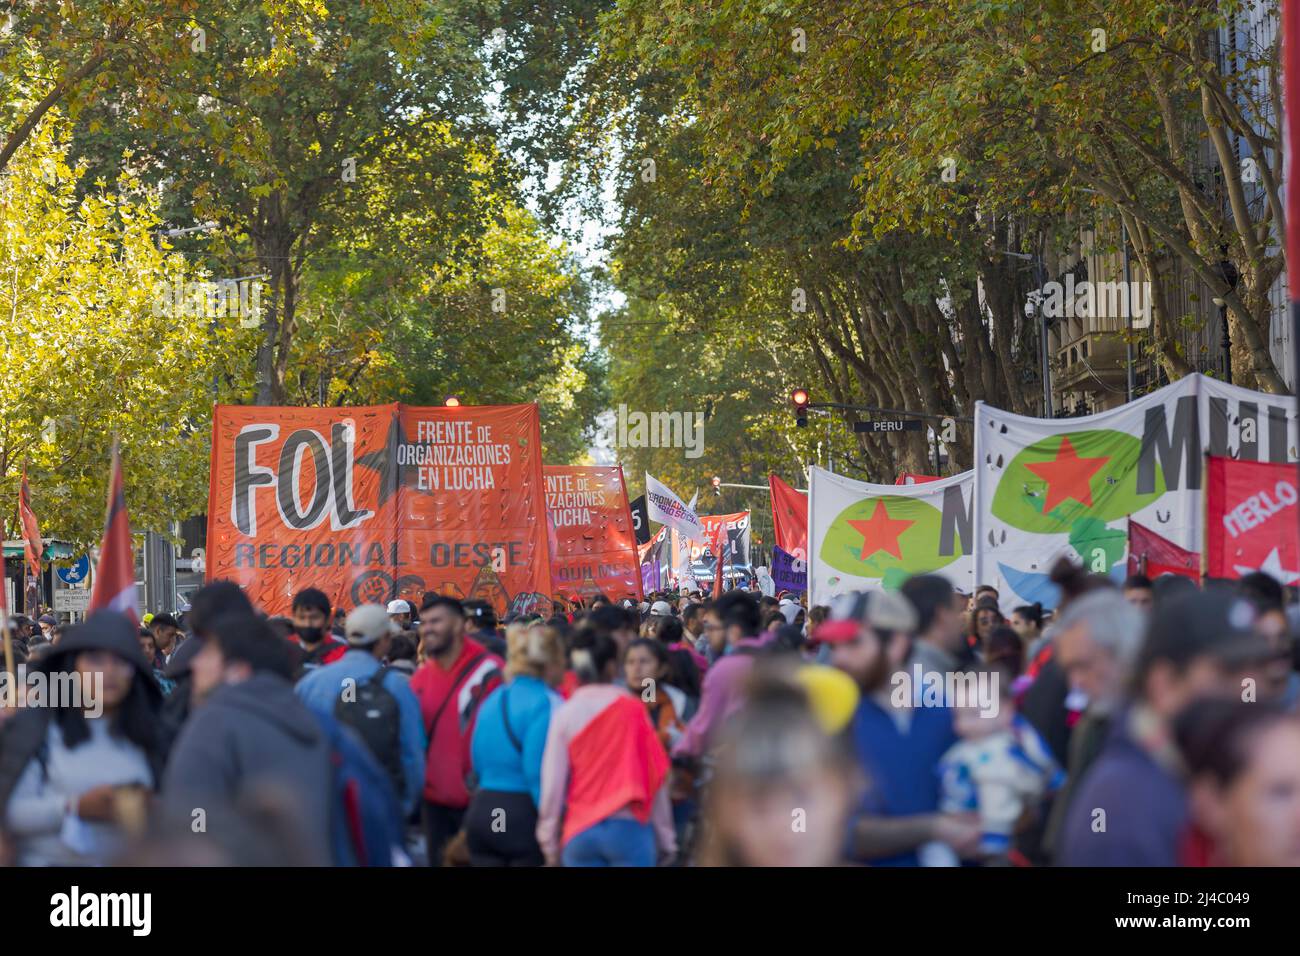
(799, 397)
(452, 401)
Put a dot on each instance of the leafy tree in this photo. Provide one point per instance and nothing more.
(1046, 115)
(96, 344)
(284, 118)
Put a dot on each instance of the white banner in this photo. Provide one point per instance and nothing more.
(863, 536)
(664, 506)
(1052, 487)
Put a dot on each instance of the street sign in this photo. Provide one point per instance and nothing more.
(890, 425)
(72, 599)
(76, 572)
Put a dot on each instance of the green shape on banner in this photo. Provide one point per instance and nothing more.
(894, 579)
(1093, 540)
(1051, 485)
(876, 536)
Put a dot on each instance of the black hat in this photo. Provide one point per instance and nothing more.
(1201, 624)
(103, 631)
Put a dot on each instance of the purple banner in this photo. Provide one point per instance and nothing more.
(650, 577)
(788, 572)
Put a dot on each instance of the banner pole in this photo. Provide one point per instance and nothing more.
(11, 685)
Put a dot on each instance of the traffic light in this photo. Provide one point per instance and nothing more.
(799, 398)
(717, 486)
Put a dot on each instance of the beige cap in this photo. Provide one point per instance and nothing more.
(367, 624)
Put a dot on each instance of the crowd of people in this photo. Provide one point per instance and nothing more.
(1153, 724)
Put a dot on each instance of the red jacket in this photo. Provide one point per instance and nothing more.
(449, 701)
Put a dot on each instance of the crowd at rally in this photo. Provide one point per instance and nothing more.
(1153, 724)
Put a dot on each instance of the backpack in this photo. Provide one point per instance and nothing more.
(376, 717)
(366, 820)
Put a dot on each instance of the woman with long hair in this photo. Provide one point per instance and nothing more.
(1027, 621)
(506, 750)
(984, 620)
(605, 772)
(76, 768)
(647, 672)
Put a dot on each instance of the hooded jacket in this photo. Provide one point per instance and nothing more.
(250, 740)
(27, 734)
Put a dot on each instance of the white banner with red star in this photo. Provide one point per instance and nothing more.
(1046, 488)
(864, 536)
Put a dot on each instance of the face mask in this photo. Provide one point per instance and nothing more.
(310, 635)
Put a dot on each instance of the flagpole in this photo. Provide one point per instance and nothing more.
(11, 685)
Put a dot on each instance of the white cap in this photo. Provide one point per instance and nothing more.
(662, 608)
(399, 607)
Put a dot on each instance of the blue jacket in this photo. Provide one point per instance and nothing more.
(322, 688)
(500, 765)
(1145, 809)
(902, 768)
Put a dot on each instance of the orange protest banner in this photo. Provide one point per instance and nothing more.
(592, 537)
(371, 503)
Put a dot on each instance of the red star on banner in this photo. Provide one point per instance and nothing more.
(1068, 476)
(880, 532)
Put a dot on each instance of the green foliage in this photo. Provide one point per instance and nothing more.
(91, 347)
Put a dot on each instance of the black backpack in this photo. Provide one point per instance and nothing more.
(375, 715)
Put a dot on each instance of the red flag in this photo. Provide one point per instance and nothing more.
(1250, 522)
(1154, 555)
(31, 530)
(789, 517)
(114, 587)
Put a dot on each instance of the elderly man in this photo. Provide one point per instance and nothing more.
(1098, 639)
(1130, 806)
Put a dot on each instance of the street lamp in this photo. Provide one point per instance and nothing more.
(1230, 277)
(452, 401)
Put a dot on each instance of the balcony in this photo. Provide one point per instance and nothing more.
(1095, 362)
